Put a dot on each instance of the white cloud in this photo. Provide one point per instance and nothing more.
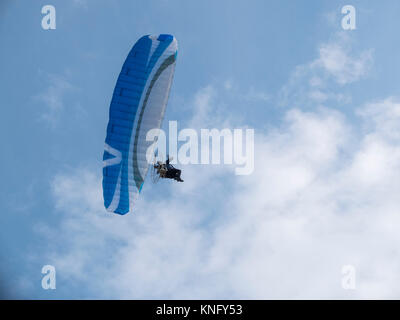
(383, 117)
(324, 194)
(322, 80)
(53, 97)
(334, 58)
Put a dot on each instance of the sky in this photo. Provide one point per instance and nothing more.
(323, 196)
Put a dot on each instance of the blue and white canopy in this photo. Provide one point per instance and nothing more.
(138, 105)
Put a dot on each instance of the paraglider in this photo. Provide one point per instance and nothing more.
(138, 104)
(167, 170)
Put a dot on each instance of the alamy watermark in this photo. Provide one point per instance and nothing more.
(237, 146)
(349, 20)
(49, 20)
(349, 277)
(49, 278)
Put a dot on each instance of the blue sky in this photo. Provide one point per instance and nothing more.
(324, 193)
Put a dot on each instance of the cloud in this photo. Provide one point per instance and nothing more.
(52, 98)
(382, 116)
(324, 194)
(321, 80)
(336, 61)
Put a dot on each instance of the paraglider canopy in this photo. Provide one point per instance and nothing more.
(138, 105)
